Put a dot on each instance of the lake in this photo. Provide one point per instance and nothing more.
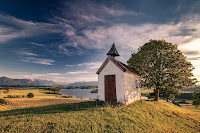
(80, 93)
(83, 93)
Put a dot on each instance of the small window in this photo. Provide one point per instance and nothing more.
(137, 84)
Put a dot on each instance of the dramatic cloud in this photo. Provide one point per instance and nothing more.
(95, 26)
(12, 28)
(78, 17)
(83, 26)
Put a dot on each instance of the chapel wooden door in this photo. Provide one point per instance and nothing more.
(110, 89)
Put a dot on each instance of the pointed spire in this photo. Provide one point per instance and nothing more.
(113, 51)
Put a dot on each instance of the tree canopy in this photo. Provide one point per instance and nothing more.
(162, 67)
(55, 89)
(30, 95)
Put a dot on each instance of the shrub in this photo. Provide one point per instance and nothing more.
(30, 95)
(70, 96)
(2, 101)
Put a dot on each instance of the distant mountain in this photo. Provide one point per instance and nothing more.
(91, 83)
(26, 82)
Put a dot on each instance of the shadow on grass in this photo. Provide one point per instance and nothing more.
(57, 108)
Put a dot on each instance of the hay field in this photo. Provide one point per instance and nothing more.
(41, 98)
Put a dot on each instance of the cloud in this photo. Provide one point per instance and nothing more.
(37, 44)
(91, 65)
(78, 72)
(194, 58)
(12, 28)
(38, 60)
(189, 53)
(27, 53)
(92, 25)
(69, 65)
(86, 65)
(53, 74)
(79, 16)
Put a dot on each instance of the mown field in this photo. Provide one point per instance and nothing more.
(38, 93)
(92, 116)
(41, 98)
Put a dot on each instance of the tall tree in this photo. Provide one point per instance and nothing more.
(162, 66)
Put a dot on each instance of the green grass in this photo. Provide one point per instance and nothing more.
(142, 116)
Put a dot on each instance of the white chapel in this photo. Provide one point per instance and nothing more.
(117, 82)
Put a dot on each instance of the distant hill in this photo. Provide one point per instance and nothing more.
(91, 83)
(26, 82)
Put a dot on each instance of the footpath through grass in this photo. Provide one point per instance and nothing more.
(91, 116)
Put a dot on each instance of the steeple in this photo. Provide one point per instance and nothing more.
(113, 51)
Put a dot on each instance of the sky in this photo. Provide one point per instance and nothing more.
(67, 40)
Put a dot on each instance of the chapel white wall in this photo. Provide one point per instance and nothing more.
(132, 93)
(111, 69)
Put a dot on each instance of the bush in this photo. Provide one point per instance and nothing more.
(2, 101)
(30, 95)
(70, 96)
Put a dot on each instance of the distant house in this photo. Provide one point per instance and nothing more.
(117, 82)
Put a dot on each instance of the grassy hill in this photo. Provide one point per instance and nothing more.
(91, 116)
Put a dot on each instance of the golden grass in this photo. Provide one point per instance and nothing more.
(193, 108)
(41, 98)
(142, 116)
(38, 93)
(17, 103)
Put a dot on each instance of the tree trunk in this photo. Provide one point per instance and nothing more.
(157, 94)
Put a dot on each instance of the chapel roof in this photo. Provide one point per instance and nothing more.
(119, 64)
(113, 51)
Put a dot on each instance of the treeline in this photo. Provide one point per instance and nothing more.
(197, 88)
(188, 96)
(81, 87)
